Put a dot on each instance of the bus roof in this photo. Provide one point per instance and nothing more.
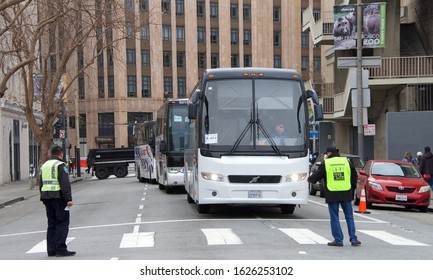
(220, 73)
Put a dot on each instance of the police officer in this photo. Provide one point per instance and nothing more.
(340, 183)
(56, 195)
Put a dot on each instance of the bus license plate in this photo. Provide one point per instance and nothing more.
(255, 194)
(400, 197)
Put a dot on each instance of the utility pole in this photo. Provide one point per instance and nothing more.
(77, 128)
(360, 105)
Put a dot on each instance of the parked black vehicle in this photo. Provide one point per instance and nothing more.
(106, 162)
(319, 186)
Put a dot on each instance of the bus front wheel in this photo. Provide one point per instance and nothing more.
(203, 208)
(288, 208)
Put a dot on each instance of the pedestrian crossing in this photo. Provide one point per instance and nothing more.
(228, 237)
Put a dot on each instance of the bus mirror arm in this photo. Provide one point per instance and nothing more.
(162, 147)
(313, 95)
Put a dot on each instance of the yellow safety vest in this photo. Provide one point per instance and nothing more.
(49, 170)
(337, 174)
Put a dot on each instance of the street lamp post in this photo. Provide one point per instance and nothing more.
(360, 104)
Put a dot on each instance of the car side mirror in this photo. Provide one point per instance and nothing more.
(426, 176)
(363, 172)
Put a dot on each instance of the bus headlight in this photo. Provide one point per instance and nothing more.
(212, 176)
(174, 169)
(296, 177)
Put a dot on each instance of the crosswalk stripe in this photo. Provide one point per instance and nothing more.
(221, 236)
(41, 247)
(138, 239)
(304, 236)
(392, 239)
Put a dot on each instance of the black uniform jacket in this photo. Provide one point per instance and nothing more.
(335, 196)
(65, 192)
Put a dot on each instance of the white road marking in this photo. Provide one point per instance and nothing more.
(392, 239)
(221, 236)
(141, 207)
(304, 236)
(138, 239)
(41, 247)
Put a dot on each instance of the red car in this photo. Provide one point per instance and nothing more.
(393, 182)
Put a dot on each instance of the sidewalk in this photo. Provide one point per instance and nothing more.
(20, 190)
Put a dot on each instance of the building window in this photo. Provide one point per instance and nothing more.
(145, 58)
(214, 59)
(101, 91)
(181, 87)
(144, 32)
(129, 5)
(201, 35)
(110, 57)
(316, 63)
(82, 125)
(130, 57)
(81, 88)
(234, 11)
(166, 59)
(247, 12)
(201, 11)
(214, 35)
(304, 39)
(180, 33)
(234, 36)
(316, 14)
(277, 61)
(168, 87)
(213, 9)
(110, 86)
(201, 60)
(247, 37)
(304, 62)
(181, 59)
(235, 60)
(132, 86)
(180, 7)
(144, 5)
(165, 6)
(129, 30)
(146, 86)
(277, 38)
(101, 60)
(80, 55)
(166, 33)
(277, 14)
(247, 60)
(105, 124)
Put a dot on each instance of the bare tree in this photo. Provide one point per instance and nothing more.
(39, 38)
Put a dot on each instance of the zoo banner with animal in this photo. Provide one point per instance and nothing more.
(373, 26)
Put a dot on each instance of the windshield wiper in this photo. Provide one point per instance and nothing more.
(268, 137)
(238, 141)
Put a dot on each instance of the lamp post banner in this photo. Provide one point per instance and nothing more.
(373, 27)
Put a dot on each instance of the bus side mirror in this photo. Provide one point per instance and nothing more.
(192, 111)
(313, 95)
(162, 147)
(318, 112)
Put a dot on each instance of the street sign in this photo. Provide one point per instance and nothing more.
(366, 99)
(352, 62)
(369, 129)
(314, 134)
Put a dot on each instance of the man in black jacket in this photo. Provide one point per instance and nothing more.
(340, 183)
(56, 195)
(426, 165)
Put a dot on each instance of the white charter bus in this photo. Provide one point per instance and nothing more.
(234, 155)
(144, 151)
(171, 123)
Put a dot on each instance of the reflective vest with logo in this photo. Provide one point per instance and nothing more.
(49, 170)
(337, 174)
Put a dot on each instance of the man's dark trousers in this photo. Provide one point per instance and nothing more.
(58, 225)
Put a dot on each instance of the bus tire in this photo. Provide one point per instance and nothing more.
(288, 208)
(102, 173)
(169, 189)
(161, 186)
(120, 171)
(312, 191)
(189, 198)
(203, 208)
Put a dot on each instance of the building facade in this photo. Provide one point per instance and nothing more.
(175, 41)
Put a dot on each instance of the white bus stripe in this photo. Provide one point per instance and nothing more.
(304, 236)
(392, 239)
(221, 236)
(41, 247)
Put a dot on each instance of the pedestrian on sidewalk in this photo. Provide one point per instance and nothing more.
(340, 183)
(426, 165)
(56, 194)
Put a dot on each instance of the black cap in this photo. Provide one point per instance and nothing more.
(427, 149)
(332, 149)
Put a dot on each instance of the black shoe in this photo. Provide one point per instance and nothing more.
(356, 243)
(335, 243)
(51, 254)
(65, 254)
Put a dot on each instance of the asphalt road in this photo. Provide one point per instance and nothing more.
(123, 219)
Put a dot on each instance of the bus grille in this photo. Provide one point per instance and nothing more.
(254, 179)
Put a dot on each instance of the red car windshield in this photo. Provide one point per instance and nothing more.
(394, 169)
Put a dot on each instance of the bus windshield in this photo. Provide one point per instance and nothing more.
(177, 122)
(253, 115)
